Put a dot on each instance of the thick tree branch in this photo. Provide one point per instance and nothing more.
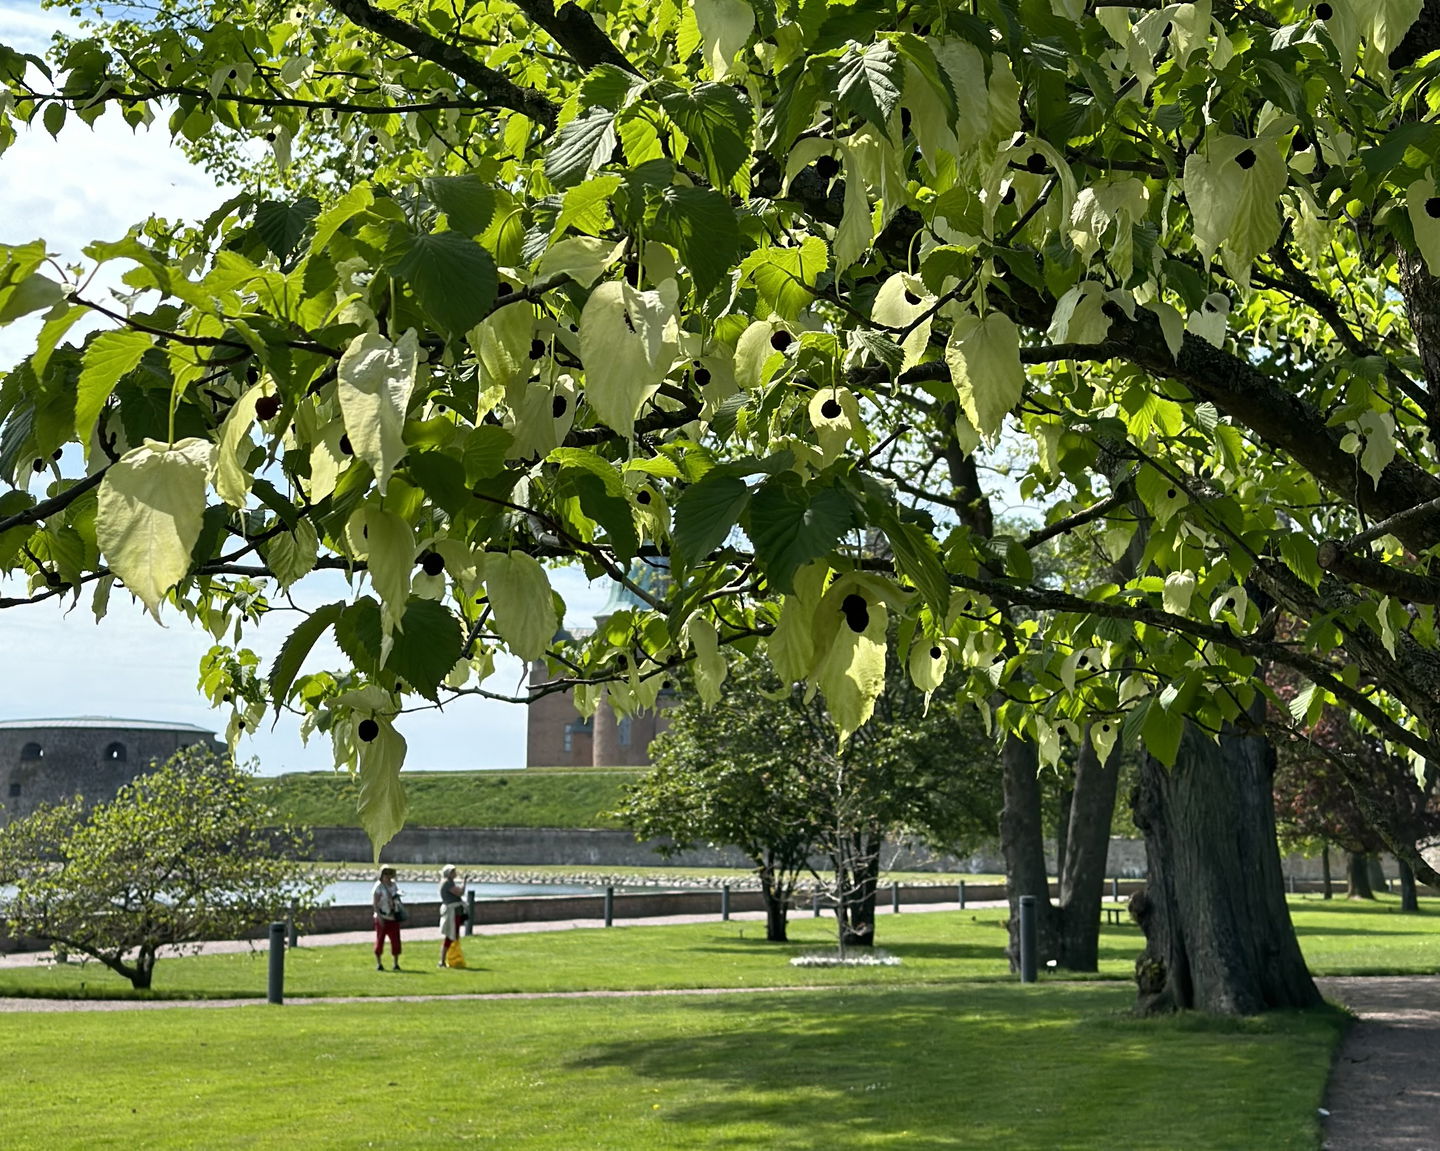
(497, 86)
(575, 30)
(1371, 573)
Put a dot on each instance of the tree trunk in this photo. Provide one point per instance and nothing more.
(1217, 928)
(777, 905)
(1082, 873)
(1325, 871)
(856, 880)
(1357, 876)
(1022, 842)
(1062, 825)
(1378, 882)
(144, 969)
(1409, 898)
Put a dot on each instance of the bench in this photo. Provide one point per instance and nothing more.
(1114, 914)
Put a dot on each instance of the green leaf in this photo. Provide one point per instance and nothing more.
(868, 81)
(627, 343)
(381, 803)
(725, 26)
(702, 225)
(523, 606)
(453, 278)
(597, 484)
(790, 526)
(1162, 732)
(467, 201)
(718, 120)
(984, 360)
(485, 449)
(580, 146)
(29, 295)
(107, 358)
(427, 646)
(280, 226)
(296, 647)
(152, 503)
(705, 514)
(916, 560)
(375, 379)
(358, 632)
(783, 276)
(443, 478)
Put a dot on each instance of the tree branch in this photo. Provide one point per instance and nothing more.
(497, 86)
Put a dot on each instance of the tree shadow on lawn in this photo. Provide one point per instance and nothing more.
(973, 1066)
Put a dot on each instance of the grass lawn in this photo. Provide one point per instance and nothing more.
(957, 1066)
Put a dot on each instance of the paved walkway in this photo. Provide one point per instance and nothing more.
(1383, 1093)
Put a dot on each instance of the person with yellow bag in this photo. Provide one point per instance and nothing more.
(452, 917)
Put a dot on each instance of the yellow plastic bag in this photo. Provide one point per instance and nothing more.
(454, 957)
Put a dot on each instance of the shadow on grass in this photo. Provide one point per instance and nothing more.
(923, 1065)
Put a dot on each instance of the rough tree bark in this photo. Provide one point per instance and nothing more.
(1357, 876)
(1217, 928)
(1082, 873)
(1022, 843)
(1409, 898)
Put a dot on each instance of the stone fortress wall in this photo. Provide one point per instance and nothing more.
(48, 760)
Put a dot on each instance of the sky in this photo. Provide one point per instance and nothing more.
(57, 662)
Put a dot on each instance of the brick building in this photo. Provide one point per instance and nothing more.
(557, 735)
(49, 760)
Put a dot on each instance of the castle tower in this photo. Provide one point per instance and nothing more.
(49, 760)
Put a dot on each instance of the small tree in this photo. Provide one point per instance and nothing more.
(760, 769)
(186, 853)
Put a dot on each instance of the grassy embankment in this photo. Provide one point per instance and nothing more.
(535, 797)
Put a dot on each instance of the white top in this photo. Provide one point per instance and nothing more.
(382, 898)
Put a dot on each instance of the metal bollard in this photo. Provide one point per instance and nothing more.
(1027, 939)
(724, 901)
(1291, 881)
(962, 895)
(1115, 887)
(895, 899)
(469, 913)
(815, 904)
(609, 907)
(292, 932)
(277, 962)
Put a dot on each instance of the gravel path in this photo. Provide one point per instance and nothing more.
(1383, 1093)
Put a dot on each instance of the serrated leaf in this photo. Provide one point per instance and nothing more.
(784, 276)
(296, 647)
(705, 514)
(230, 479)
(627, 343)
(428, 645)
(524, 609)
(702, 225)
(851, 665)
(1162, 732)
(583, 258)
(984, 360)
(375, 379)
(718, 121)
(467, 201)
(380, 802)
(598, 485)
(1179, 589)
(151, 507)
(31, 294)
(107, 358)
(454, 279)
(281, 226)
(580, 146)
(291, 555)
(358, 632)
(868, 81)
(791, 526)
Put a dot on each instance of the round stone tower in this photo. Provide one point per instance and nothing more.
(48, 760)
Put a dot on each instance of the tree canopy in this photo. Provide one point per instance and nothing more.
(756, 290)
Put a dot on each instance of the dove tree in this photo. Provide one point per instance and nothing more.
(756, 291)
